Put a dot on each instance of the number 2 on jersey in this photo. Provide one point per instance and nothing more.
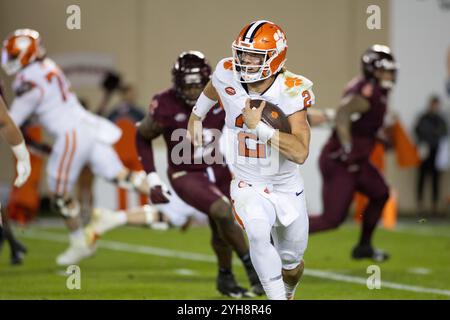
(307, 101)
(244, 138)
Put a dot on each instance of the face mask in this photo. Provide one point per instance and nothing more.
(387, 84)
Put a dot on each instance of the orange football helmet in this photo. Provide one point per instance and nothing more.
(259, 51)
(20, 48)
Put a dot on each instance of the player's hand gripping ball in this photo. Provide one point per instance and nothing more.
(260, 110)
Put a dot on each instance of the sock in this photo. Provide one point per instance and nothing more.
(114, 220)
(246, 261)
(225, 271)
(274, 289)
(265, 258)
(249, 268)
(290, 290)
(121, 218)
(76, 236)
(371, 217)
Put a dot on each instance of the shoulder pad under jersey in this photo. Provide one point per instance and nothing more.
(296, 92)
(294, 84)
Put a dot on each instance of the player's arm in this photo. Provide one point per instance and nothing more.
(147, 130)
(28, 97)
(294, 145)
(11, 133)
(8, 129)
(350, 105)
(205, 102)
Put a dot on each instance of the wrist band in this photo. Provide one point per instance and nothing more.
(264, 132)
(20, 151)
(203, 105)
(153, 179)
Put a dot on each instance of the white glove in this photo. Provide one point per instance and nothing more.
(159, 192)
(23, 164)
(264, 132)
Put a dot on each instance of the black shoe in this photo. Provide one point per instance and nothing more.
(257, 287)
(18, 252)
(368, 252)
(227, 285)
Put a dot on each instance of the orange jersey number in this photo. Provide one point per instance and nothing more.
(307, 101)
(244, 137)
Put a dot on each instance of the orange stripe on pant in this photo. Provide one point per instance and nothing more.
(61, 164)
(74, 147)
(236, 216)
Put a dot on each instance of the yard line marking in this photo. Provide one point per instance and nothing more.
(421, 232)
(185, 272)
(121, 246)
(419, 270)
(384, 284)
(125, 247)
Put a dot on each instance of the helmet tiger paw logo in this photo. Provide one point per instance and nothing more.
(280, 40)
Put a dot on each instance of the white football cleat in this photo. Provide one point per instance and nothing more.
(103, 220)
(75, 253)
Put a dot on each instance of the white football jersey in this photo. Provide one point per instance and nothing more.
(42, 90)
(251, 160)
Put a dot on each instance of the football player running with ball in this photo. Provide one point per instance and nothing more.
(202, 186)
(267, 190)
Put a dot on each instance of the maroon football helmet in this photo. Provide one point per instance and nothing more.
(378, 57)
(190, 73)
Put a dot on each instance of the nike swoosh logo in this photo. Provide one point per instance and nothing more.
(299, 193)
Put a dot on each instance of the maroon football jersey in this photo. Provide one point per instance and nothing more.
(171, 113)
(364, 129)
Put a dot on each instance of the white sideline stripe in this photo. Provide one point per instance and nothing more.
(120, 246)
(422, 232)
(384, 284)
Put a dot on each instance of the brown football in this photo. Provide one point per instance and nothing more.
(273, 116)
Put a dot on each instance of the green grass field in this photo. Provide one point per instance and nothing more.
(137, 263)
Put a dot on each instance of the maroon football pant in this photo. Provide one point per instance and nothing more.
(202, 188)
(339, 186)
